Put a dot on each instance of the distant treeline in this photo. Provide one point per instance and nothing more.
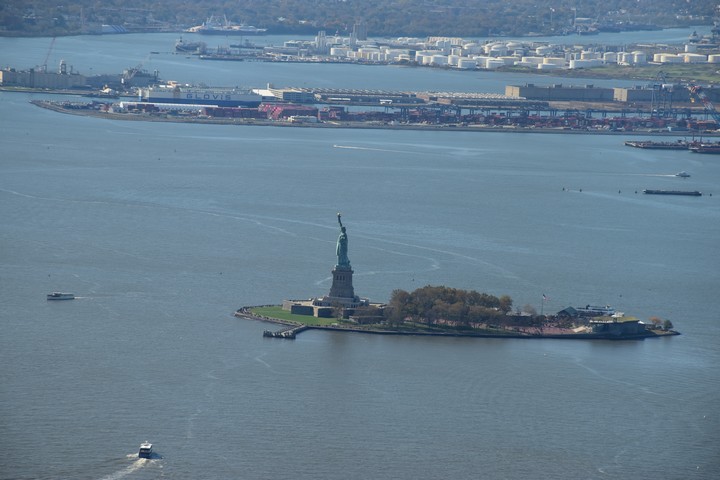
(466, 18)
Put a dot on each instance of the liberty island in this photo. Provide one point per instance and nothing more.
(481, 315)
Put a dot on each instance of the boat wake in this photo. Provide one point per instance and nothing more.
(137, 464)
(350, 147)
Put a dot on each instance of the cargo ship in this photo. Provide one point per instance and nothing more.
(212, 26)
(221, 97)
(190, 47)
(705, 148)
(692, 193)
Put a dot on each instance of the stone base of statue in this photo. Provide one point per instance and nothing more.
(342, 284)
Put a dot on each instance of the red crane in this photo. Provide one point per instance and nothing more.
(696, 91)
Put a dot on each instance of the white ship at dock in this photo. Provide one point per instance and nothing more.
(186, 94)
(213, 26)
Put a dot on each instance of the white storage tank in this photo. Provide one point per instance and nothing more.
(472, 48)
(670, 58)
(690, 48)
(638, 57)
(695, 58)
(657, 57)
(558, 61)
(508, 60)
(543, 50)
(714, 58)
(439, 60)
(481, 61)
(339, 52)
(535, 60)
(585, 55)
(610, 57)
(453, 60)
(421, 54)
(494, 63)
(498, 50)
(467, 64)
(548, 66)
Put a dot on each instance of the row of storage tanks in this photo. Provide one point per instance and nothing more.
(496, 55)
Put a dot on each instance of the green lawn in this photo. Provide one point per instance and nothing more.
(277, 312)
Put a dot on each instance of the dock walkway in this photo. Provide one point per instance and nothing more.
(289, 332)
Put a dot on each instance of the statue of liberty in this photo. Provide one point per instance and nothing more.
(342, 248)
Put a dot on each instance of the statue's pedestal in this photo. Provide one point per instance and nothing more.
(342, 284)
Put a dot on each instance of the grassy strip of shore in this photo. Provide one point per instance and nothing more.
(277, 312)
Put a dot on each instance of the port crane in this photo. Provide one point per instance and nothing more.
(696, 92)
(47, 56)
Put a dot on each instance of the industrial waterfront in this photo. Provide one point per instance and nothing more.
(661, 105)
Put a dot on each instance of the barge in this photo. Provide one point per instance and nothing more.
(649, 144)
(705, 148)
(60, 296)
(691, 193)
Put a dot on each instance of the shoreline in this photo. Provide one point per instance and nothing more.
(351, 125)
(294, 327)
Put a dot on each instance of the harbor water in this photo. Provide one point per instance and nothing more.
(162, 230)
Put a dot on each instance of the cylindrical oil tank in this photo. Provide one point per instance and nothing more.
(639, 57)
(494, 63)
(670, 58)
(535, 60)
(439, 60)
(467, 63)
(695, 58)
(610, 57)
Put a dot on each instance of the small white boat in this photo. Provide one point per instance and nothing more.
(60, 296)
(145, 450)
(682, 174)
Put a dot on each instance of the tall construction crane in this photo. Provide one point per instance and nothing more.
(696, 92)
(47, 56)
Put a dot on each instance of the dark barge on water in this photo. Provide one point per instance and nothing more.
(649, 144)
(691, 193)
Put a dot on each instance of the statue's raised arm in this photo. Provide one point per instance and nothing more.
(342, 247)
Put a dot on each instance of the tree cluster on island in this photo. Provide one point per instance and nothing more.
(443, 308)
(465, 18)
(446, 306)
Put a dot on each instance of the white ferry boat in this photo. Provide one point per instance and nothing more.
(145, 450)
(60, 296)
